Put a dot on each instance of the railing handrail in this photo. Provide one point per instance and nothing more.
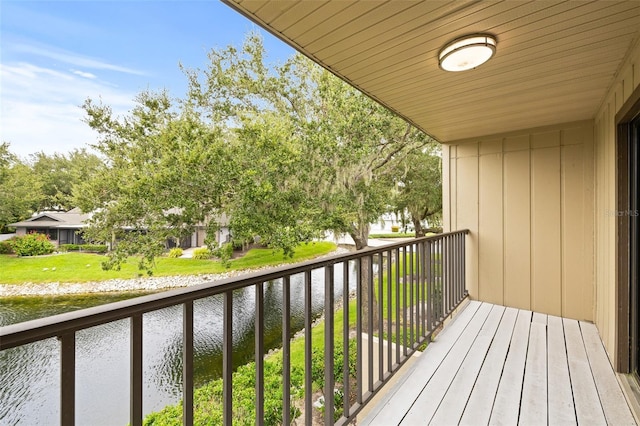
(38, 329)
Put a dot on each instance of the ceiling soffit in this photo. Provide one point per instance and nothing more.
(555, 61)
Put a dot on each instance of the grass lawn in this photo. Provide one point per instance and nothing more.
(84, 267)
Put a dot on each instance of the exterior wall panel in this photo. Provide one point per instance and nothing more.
(517, 228)
(467, 215)
(490, 229)
(546, 256)
(627, 80)
(527, 198)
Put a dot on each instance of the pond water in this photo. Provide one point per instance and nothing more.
(29, 375)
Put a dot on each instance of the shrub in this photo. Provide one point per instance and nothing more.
(6, 247)
(93, 248)
(224, 253)
(175, 253)
(69, 247)
(202, 253)
(32, 245)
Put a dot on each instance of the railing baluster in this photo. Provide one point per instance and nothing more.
(371, 314)
(286, 350)
(445, 276)
(464, 265)
(423, 289)
(259, 352)
(411, 301)
(308, 379)
(380, 317)
(68, 379)
(345, 340)
(328, 345)
(429, 287)
(405, 306)
(397, 295)
(227, 358)
(450, 273)
(136, 370)
(359, 318)
(187, 363)
(389, 338)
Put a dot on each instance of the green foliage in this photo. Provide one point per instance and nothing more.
(19, 189)
(59, 173)
(419, 189)
(32, 245)
(224, 253)
(202, 253)
(89, 248)
(6, 247)
(175, 253)
(208, 399)
(93, 248)
(283, 152)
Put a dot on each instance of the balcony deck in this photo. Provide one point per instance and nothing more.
(497, 365)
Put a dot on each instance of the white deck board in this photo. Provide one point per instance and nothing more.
(583, 385)
(393, 408)
(478, 409)
(533, 407)
(496, 365)
(454, 401)
(430, 397)
(608, 388)
(560, 396)
(506, 407)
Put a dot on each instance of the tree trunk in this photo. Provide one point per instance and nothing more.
(361, 239)
(420, 231)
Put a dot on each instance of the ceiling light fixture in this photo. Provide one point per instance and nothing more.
(467, 52)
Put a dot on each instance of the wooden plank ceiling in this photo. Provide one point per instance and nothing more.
(554, 62)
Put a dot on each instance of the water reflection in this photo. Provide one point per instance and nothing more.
(29, 375)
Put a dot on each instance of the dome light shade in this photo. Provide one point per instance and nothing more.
(467, 52)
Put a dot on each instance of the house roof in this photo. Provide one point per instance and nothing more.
(554, 63)
(72, 219)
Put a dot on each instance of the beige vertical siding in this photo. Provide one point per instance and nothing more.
(527, 198)
(626, 81)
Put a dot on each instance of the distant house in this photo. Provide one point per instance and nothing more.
(66, 228)
(61, 227)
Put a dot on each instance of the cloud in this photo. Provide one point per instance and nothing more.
(84, 74)
(41, 111)
(72, 58)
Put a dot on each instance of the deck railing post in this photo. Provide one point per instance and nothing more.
(227, 359)
(308, 379)
(259, 352)
(286, 350)
(345, 339)
(429, 288)
(136, 371)
(359, 330)
(187, 363)
(68, 379)
(328, 345)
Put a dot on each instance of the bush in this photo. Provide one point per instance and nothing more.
(93, 248)
(224, 253)
(68, 247)
(202, 253)
(175, 253)
(6, 247)
(32, 245)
